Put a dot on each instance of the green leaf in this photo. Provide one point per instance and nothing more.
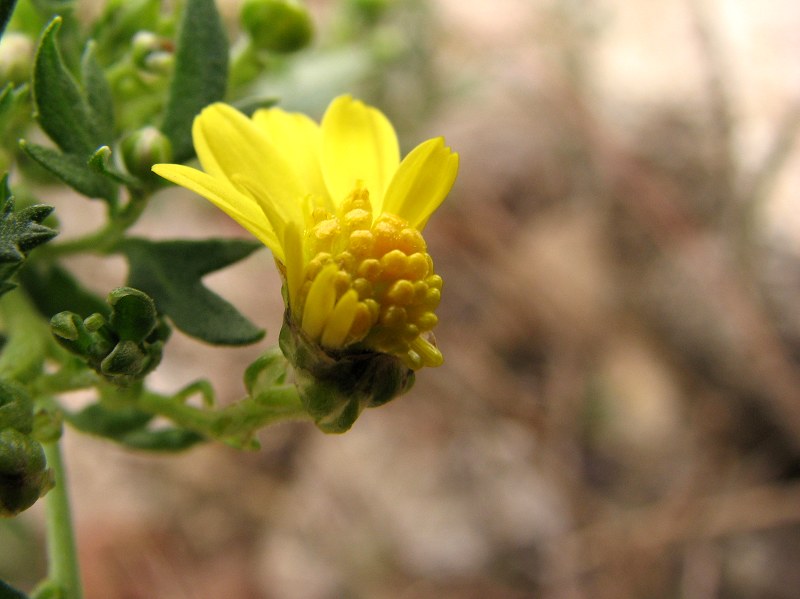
(113, 423)
(12, 100)
(6, 102)
(53, 289)
(9, 592)
(100, 163)
(6, 9)
(201, 73)
(128, 426)
(171, 271)
(98, 93)
(62, 109)
(20, 232)
(73, 170)
(268, 371)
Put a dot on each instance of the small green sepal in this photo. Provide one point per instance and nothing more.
(336, 386)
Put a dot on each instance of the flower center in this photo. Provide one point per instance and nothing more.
(369, 282)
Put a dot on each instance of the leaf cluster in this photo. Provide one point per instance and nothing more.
(20, 232)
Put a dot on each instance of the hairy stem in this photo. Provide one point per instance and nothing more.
(104, 240)
(235, 423)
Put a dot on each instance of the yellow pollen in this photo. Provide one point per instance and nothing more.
(370, 282)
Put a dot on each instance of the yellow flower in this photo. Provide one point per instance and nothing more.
(341, 213)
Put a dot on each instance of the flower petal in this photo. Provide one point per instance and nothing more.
(229, 144)
(358, 144)
(319, 302)
(422, 182)
(238, 206)
(293, 264)
(340, 321)
(299, 140)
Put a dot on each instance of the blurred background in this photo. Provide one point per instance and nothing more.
(618, 415)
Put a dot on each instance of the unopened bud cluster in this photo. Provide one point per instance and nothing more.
(123, 347)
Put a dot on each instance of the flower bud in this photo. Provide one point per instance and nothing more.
(133, 315)
(336, 385)
(277, 25)
(144, 148)
(24, 476)
(123, 348)
(152, 53)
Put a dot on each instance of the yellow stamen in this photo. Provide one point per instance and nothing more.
(365, 281)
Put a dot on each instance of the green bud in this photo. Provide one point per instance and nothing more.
(133, 314)
(123, 349)
(152, 53)
(125, 360)
(24, 476)
(277, 25)
(144, 148)
(336, 386)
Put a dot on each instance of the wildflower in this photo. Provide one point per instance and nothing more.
(341, 214)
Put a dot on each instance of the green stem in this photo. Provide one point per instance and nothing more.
(102, 241)
(64, 573)
(235, 423)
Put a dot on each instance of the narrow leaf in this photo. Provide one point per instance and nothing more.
(171, 273)
(74, 171)
(98, 94)
(61, 107)
(201, 73)
(165, 440)
(96, 419)
(10, 99)
(100, 162)
(6, 97)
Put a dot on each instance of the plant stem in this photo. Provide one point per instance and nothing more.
(235, 423)
(64, 573)
(102, 241)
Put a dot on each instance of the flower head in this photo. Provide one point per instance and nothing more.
(342, 214)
